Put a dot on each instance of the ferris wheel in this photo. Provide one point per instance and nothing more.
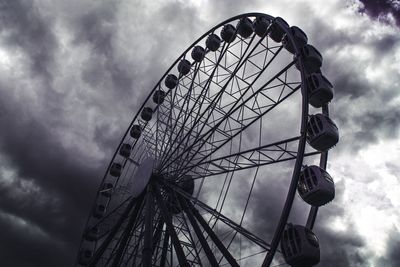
(244, 107)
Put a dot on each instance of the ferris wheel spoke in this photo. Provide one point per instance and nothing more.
(196, 144)
(234, 133)
(259, 112)
(238, 228)
(125, 237)
(170, 99)
(203, 91)
(170, 228)
(235, 226)
(219, 94)
(234, 108)
(147, 251)
(213, 106)
(110, 214)
(133, 255)
(201, 97)
(210, 255)
(192, 245)
(112, 256)
(157, 239)
(192, 212)
(246, 205)
(191, 239)
(174, 105)
(183, 110)
(283, 150)
(198, 174)
(164, 252)
(99, 252)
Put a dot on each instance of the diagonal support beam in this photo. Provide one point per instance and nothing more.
(257, 156)
(96, 257)
(240, 229)
(164, 249)
(125, 236)
(232, 110)
(210, 255)
(170, 228)
(192, 210)
(147, 251)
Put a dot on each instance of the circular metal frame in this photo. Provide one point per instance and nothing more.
(152, 194)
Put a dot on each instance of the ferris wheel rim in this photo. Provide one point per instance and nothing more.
(170, 68)
(302, 139)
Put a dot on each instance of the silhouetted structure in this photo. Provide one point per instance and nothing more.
(193, 124)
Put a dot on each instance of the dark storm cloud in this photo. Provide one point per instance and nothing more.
(392, 255)
(23, 27)
(45, 202)
(25, 246)
(97, 28)
(377, 124)
(387, 43)
(265, 214)
(362, 107)
(51, 190)
(66, 180)
(128, 79)
(393, 168)
(339, 247)
(380, 9)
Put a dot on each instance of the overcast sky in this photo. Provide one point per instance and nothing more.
(73, 73)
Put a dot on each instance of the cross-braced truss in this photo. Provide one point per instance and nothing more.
(219, 125)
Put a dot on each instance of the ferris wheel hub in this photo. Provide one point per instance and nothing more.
(142, 176)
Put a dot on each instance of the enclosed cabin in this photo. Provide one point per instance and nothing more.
(146, 114)
(187, 185)
(115, 169)
(106, 190)
(320, 90)
(316, 186)
(184, 67)
(300, 246)
(158, 97)
(125, 150)
(92, 234)
(136, 131)
(260, 25)
(213, 42)
(277, 29)
(228, 33)
(245, 27)
(99, 211)
(322, 133)
(85, 255)
(299, 37)
(171, 81)
(198, 53)
(311, 57)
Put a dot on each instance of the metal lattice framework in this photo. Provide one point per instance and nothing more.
(239, 116)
